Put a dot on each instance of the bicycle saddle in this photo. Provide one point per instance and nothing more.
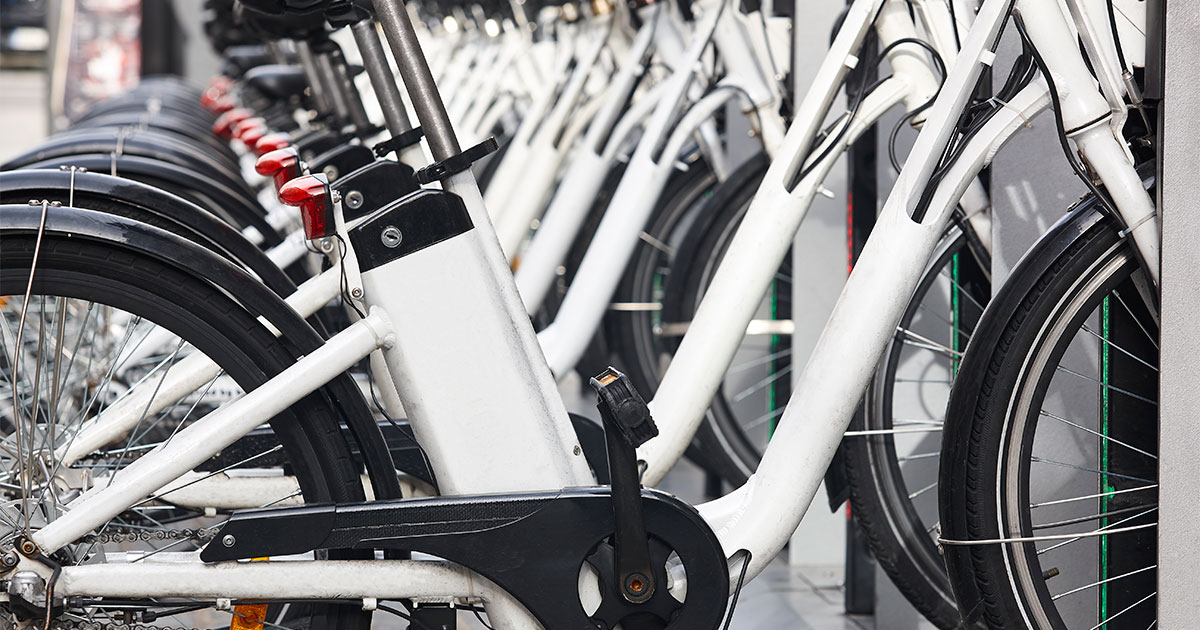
(276, 82)
(240, 59)
(270, 20)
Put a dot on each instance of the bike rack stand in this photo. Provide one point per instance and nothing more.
(1179, 399)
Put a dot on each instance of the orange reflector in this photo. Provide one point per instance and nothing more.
(311, 194)
(248, 617)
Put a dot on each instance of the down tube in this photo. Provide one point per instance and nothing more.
(762, 514)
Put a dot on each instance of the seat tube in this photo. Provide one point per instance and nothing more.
(467, 365)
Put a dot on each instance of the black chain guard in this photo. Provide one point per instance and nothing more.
(532, 545)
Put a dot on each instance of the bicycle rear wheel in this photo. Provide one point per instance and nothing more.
(89, 300)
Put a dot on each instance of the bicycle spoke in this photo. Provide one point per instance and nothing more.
(1104, 581)
(1153, 340)
(1092, 496)
(1085, 519)
(1042, 460)
(1123, 611)
(1106, 385)
(1107, 438)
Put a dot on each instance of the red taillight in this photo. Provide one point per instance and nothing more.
(220, 84)
(223, 105)
(271, 142)
(210, 97)
(281, 165)
(311, 194)
(225, 122)
(240, 129)
(251, 135)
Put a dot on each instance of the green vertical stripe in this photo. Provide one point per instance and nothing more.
(1105, 486)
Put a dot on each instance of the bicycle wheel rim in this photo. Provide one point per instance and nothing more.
(63, 273)
(1067, 605)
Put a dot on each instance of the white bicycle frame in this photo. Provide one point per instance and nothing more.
(586, 302)
(511, 432)
(913, 83)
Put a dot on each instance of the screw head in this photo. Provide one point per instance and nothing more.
(228, 540)
(27, 547)
(391, 237)
(356, 293)
(636, 584)
(354, 199)
(331, 172)
(9, 559)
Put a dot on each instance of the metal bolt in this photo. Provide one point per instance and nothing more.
(356, 293)
(391, 237)
(228, 540)
(636, 584)
(9, 559)
(27, 547)
(331, 172)
(577, 450)
(354, 200)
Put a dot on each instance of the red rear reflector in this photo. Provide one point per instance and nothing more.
(311, 194)
(220, 84)
(271, 142)
(281, 165)
(210, 97)
(251, 135)
(224, 124)
(223, 105)
(247, 124)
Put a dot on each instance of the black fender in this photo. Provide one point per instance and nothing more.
(148, 204)
(143, 142)
(224, 202)
(196, 260)
(188, 127)
(1085, 216)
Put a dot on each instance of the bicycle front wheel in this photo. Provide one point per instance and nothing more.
(1050, 473)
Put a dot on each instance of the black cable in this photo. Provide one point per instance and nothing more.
(954, 25)
(1112, 24)
(737, 589)
(411, 620)
(475, 610)
(1058, 122)
(861, 96)
(941, 66)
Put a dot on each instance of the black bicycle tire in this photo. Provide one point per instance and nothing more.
(989, 376)
(216, 325)
(881, 506)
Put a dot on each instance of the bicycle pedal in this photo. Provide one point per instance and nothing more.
(623, 407)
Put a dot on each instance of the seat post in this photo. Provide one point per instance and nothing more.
(316, 87)
(382, 79)
(414, 69)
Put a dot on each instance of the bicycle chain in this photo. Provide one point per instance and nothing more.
(127, 534)
(71, 624)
